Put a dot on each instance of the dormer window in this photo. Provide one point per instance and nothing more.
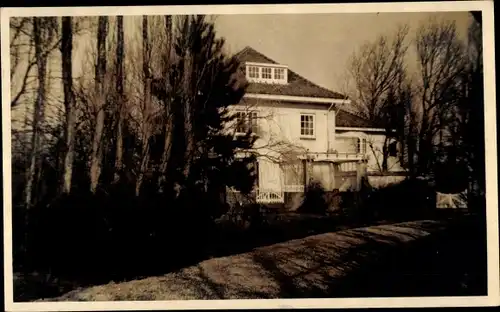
(253, 72)
(279, 73)
(266, 73)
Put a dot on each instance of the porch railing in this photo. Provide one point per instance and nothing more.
(263, 196)
(293, 188)
(269, 197)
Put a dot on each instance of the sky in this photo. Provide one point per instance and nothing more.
(318, 46)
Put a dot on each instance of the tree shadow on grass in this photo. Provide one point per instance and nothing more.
(314, 267)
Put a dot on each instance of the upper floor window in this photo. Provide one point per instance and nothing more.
(307, 125)
(279, 73)
(253, 72)
(361, 146)
(246, 121)
(266, 73)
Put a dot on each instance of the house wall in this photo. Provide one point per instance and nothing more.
(374, 155)
(323, 172)
(278, 130)
(270, 177)
(279, 126)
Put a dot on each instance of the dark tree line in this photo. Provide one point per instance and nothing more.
(435, 115)
(137, 156)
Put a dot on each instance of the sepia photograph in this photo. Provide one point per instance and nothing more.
(299, 153)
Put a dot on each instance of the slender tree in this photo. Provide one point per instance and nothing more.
(69, 101)
(188, 109)
(167, 108)
(146, 108)
(100, 89)
(43, 32)
(120, 96)
(204, 85)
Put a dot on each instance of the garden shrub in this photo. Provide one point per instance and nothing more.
(409, 199)
(314, 199)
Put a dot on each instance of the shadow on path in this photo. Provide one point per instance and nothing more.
(387, 260)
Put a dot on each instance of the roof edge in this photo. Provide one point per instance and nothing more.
(290, 98)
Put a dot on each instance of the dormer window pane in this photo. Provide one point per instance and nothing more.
(279, 73)
(266, 73)
(253, 72)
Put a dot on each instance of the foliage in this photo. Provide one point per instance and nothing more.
(407, 200)
(114, 230)
(314, 199)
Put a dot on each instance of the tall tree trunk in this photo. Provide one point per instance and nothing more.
(95, 166)
(119, 90)
(168, 113)
(146, 53)
(67, 72)
(41, 62)
(188, 113)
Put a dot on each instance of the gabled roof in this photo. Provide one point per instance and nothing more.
(351, 120)
(248, 54)
(297, 85)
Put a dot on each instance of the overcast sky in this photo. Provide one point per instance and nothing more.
(318, 46)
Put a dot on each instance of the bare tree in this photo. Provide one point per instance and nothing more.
(188, 95)
(23, 60)
(441, 62)
(377, 72)
(43, 32)
(146, 108)
(69, 101)
(95, 169)
(167, 110)
(120, 96)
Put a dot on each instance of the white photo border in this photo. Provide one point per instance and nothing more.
(486, 7)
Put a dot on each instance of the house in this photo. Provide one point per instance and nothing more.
(303, 132)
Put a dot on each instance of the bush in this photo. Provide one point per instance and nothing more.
(95, 238)
(410, 199)
(314, 199)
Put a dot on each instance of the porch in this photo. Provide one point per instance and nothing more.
(275, 180)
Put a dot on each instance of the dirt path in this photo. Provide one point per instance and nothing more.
(311, 267)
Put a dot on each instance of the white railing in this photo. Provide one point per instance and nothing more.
(264, 196)
(348, 155)
(293, 188)
(333, 155)
(270, 197)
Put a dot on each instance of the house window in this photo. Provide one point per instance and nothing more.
(307, 125)
(253, 121)
(246, 121)
(240, 122)
(361, 146)
(253, 72)
(279, 73)
(266, 73)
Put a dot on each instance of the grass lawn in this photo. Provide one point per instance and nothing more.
(314, 266)
(231, 241)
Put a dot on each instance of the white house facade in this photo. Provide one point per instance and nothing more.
(303, 132)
